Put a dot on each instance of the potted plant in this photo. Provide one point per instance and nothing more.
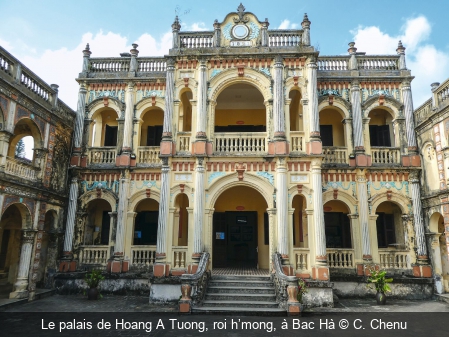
(93, 279)
(302, 289)
(378, 277)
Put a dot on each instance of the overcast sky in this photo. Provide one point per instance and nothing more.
(49, 36)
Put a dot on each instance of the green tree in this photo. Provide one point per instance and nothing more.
(20, 149)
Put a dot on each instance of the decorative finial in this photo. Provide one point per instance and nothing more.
(87, 52)
(352, 49)
(176, 26)
(241, 13)
(401, 48)
(305, 22)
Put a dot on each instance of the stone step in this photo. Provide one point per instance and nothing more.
(443, 297)
(240, 277)
(241, 283)
(239, 290)
(240, 297)
(248, 304)
(242, 311)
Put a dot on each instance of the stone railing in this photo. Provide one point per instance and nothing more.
(108, 65)
(232, 143)
(385, 156)
(194, 286)
(335, 155)
(286, 286)
(35, 85)
(184, 141)
(394, 259)
(143, 255)
(148, 155)
(284, 37)
(102, 155)
(153, 64)
(301, 258)
(340, 258)
(179, 257)
(297, 141)
(20, 169)
(442, 93)
(389, 62)
(329, 63)
(6, 64)
(93, 255)
(423, 112)
(196, 39)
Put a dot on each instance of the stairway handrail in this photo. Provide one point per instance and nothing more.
(198, 281)
(282, 281)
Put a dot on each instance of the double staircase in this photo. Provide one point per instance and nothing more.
(240, 294)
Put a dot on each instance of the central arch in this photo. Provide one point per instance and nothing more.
(240, 229)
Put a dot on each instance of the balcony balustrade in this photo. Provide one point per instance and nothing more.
(149, 155)
(102, 155)
(301, 258)
(143, 255)
(394, 259)
(335, 155)
(240, 143)
(21, 169)
(297, 141)
(385, 156)
(340, 258)
(97, 255)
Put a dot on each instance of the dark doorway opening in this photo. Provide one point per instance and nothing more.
(235, 240)
(110, 136)
(145, 229)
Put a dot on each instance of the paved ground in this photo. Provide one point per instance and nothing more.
(134, 316)
(111, 303)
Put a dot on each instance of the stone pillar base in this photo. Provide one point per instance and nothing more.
(161, 270)
(293, 309)
(411, 160)
(288, 270)
(363, 269)
(75, 160)
(19, 294)
(66, 266)
(314, 147)
(422, 271)
(199, 147)
(362, 159)
(118, 266)
(279, 147)
(185, 306)
(167, 148)
(123, 160)
(320, 273)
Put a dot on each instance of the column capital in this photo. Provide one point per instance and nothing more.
(28, 235)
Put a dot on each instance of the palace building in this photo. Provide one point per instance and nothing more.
(244, 149)
(33, 191)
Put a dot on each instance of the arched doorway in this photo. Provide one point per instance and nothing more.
(181, 223)
(97, 228)
(438, 253)
(49, 223)
(15, 218)
(240, 229)
(145, 224)
(300, 230)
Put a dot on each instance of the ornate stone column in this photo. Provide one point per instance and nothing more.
(264, 33)
(118, 265)
(71, 215)
(217, 34)
(86, 56)
(414, 158)
(314, 146)
(198, 213)
(362, 194)
(79, 126)
(160, 268)
(278, 98)
(167, 148)
(279, 145)
(128, 125)
(423, 268)
(271, 223)
(320, 271)
(133, 65)
(112, 232)
(21, 285)
(199, 146)
(282, 208)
